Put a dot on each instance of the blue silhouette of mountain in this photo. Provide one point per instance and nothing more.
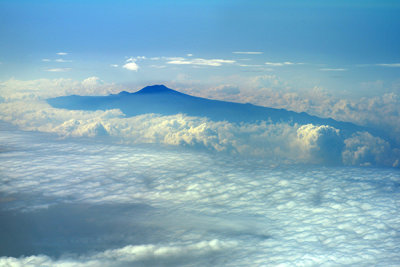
(165, 101)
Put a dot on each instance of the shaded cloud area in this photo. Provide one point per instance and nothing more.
(94, 203)
(281, 143)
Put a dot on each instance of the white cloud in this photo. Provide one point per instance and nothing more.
(281, 141)
(159, 206)
(62, 53)
(247, 53)
(280, 64)
(393, 65)
(134, 59)
(167, 255)
(332, 69)
(59, 69)
(131, 66)
(114, 65)
(189, 55)
(244, 65)
(62, 60)
(46, 60)
(200, 62)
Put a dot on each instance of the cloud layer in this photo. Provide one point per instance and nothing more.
(152, 205)
(280, 142)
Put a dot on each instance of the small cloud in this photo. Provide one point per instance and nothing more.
(332, 69)
(154, 58)
(62, 60)
(189, 55)
(46, 60)
(280, 64)
(114, 65)
(59, 69)
(131, 66)
(392, 65)
(247, 53)
(244, 65)
(134, 59)
(200, 62)
(157, 66)
(62, 53)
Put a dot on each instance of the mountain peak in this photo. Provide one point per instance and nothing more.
(155, 89)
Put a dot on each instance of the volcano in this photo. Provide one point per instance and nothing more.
(162, 100)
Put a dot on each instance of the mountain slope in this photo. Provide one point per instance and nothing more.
(162, 100)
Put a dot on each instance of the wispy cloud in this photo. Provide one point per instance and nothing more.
(280, 64)
(332, 69)
(62, 60)
(392, 65)
(114, 65)
(245, 65)
(59, 69)
(247, 52)
(200, 62)
(62, 53)
(46, 60)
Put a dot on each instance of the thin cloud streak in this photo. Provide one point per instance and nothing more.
(248, 53)
(200, 62)
(59, 70)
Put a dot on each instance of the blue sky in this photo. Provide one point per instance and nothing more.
(341, 46)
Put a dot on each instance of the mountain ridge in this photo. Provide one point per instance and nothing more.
(163, 100)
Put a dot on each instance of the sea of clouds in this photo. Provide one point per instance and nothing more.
(94, 188)
(89, 202)
(24, 105)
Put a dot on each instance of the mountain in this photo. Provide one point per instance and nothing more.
(165, 101)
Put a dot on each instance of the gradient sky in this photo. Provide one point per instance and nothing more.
(349, 47)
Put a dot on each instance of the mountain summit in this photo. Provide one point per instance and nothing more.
(156, 89)
(163, 100)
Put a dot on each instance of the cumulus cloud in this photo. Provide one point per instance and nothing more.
(200, 62)
(282, 141)
(131, 66)
(174, 207)
(142, 254)
(62, 53)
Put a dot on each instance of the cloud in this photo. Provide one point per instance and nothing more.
(247, 53)
(167, 255)
(280, 64)
(62, 60)
(244, 65)
(97, 203)
(114, 65)
(134, 59)
(62, 53)
(200, 62)
(281, 141)
(59, 69)
(332, 69)
(393, 65)
(46, 60)
(131, 66)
